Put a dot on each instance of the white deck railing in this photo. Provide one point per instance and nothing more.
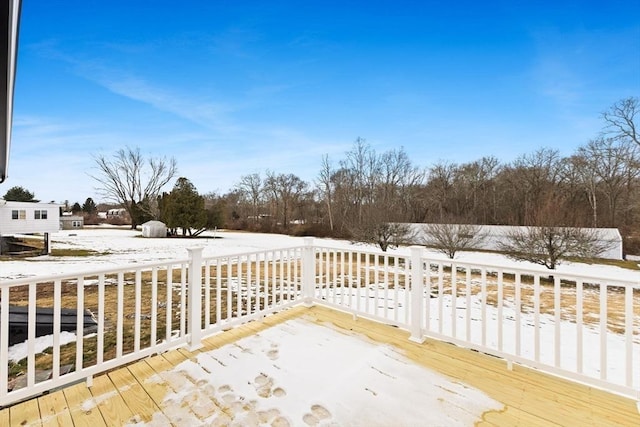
(580, 327)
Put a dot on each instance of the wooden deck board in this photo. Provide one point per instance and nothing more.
(157, 389)
(54, 410)
(141, 404)
(84, 413)
(25, 414)
(112, 406)
(4, 417)
(151, 387)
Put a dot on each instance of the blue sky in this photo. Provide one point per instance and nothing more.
(230, 88)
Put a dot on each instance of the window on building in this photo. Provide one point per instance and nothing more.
(40, 214)
(18, 214)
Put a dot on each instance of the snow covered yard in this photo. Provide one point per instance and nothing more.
(117, 246)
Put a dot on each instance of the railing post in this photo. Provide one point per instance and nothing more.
(194, 301)
(417, 294)
(308, 272)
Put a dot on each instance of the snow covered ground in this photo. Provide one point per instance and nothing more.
(122, 245)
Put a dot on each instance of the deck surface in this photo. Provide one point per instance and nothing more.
(124, 396)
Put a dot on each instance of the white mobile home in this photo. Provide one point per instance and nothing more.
(29, 218)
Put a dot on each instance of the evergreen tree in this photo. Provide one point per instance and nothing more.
(19, 194)
(184, 208)
(89, 206)
(76, 208)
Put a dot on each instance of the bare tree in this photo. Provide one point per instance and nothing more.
(439, 186)
(452, 238)
(578, 168)
(615, 164)
(621, 119)
(251, 187)
(325, 187)
(286, 191)
(134, 182)
(384, 234)
(549, 245)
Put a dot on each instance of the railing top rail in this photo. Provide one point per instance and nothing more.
(93, 272)
(363, 251)
(256, 252)
(536, 272)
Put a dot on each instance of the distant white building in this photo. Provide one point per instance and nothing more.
(71, 222)
(495, 234)
(154, 229)
(29, 218)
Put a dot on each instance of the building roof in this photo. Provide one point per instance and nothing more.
(9, 20)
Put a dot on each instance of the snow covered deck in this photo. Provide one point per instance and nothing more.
(261, 379)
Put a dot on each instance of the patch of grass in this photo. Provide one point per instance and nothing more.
(631, 265)
(76, 252)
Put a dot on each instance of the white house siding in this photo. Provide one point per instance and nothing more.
(28, 225)
(498, 233)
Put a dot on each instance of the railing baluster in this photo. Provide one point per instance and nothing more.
(101, 310)
(229, 290)
(628, 335)
(218, 291)
(169, 313)
(120, 315)
(250, 262)
(183, 300)
(367, 271)
(336, 277)
(376, 284)
(500, 308)
(386, 286)
(276, 285)
(31, 336)
(396, 289)
(579, 331)
(57, 302)
(603, 331)
(154, 307)
(265, 302)
(80, 325)
(454, 299)
(557, 307)
(440, 297)
(483, 304)
(536, 317)
(137, 311)
(427, 299)
(207, 294)
(518, 308)
(358, 282)
(4, 341)
(468, 303)
(239, 288)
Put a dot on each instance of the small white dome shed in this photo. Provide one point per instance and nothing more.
(154, 229)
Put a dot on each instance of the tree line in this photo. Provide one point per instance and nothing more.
(364, 193)
(360, 194)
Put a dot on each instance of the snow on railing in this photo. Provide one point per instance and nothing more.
(580, 327)
(138, 310)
